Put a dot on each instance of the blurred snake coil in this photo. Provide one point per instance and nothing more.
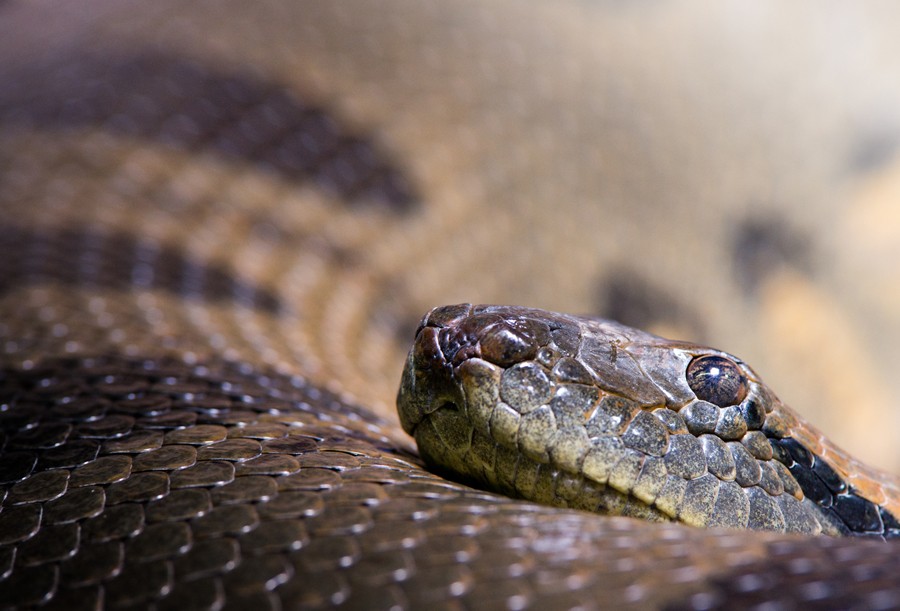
(221, 222)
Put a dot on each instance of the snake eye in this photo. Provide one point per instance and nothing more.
(717, 380)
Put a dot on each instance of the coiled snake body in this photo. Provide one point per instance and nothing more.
(222, 220)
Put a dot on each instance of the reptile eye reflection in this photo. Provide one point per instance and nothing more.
(717, 380)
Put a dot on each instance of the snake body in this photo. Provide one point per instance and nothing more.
(220, 222)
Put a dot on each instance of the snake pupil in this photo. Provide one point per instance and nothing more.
(717, 380)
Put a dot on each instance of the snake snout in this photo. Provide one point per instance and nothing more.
(450, 336)
(427, 384)
(451, 382)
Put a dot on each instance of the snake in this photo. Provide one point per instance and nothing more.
(222, 222)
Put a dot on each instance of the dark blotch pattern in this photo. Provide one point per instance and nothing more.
(237, 115)
(762, 246)
(118, 261)
(624, 297)
(841, 505)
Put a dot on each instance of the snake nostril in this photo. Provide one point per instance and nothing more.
(450, 406)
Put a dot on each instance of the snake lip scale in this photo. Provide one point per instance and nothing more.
(591, 414)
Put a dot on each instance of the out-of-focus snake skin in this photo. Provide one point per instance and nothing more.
(221, 222)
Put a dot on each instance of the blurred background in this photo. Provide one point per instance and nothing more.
(320, 174)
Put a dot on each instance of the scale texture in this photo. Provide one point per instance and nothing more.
(221, 222)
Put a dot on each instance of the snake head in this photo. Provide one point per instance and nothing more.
(591, 414)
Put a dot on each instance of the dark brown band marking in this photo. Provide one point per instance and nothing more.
(764, 245)
(89, 258)
(238, 115)
(844, 507)
(633, 301)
